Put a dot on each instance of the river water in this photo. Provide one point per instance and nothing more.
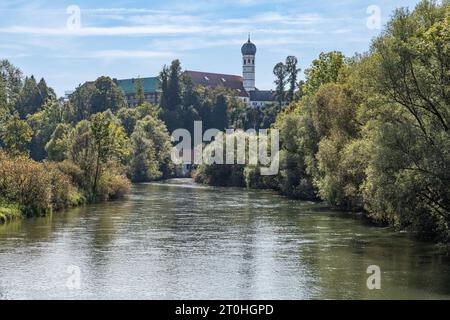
(178, 240)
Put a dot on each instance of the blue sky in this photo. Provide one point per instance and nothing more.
(125, 39)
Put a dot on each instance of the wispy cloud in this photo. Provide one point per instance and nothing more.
(131, 54)
(103, 31)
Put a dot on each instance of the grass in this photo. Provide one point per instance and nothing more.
(9, 212)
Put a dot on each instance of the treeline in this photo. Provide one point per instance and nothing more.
(56, 153)
(182, 102)
(371, 133)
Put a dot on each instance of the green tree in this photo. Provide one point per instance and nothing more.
(324, 70)
(109, 140)
(11, 82)
(57, 147)
(407, 78)
(139, 87)
(29, 100)
(156, 131)
(43, 124)
(280, 74)
(15, 135)
(107, 95)
(144, 165)
(292, 73)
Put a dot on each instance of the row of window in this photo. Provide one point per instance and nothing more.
(248, 61)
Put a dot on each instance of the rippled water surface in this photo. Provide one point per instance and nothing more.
(177, 240)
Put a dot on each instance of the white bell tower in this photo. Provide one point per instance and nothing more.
(248, 65)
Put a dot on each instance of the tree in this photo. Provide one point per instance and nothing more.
(30, 100)
(280, 73)
(139, 87)
(220, 113)
(11, 82)
(174, 86)
(292, 72)
(144, 165)
(45, 92)
(408, 82)
(164, 80)
(106, 95)
(43, 124)
(80, 102)
(323, 70)
(171, 100)
(58, 145)
(15, 135)
(156, 131)
(109, 140)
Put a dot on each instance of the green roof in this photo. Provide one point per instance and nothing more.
(151, 84)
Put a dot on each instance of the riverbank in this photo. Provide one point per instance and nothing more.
(30, 188)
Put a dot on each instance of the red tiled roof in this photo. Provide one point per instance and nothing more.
(228, 81)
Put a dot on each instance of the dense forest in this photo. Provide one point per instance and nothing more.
(368, 133)
(371, 133)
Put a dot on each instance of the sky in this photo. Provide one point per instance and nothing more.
(70, 42)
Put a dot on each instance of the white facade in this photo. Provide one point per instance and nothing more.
(248, 72)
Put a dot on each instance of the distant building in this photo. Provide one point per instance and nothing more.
(151, 86)
(244, 86)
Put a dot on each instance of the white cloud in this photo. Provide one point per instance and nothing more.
(276, 17)
(131, 54)
(103, 31)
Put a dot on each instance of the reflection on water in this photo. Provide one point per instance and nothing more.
(177, 240)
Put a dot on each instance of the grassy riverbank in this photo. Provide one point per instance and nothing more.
(31, 188)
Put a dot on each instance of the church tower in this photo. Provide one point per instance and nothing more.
(248, 66)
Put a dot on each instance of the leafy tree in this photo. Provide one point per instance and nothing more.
(236, 114)
(292, 72)
(324, 70)
(408, 121)
(174, 93)
(80, 102)
(280, 73)
(96, 145)
(15, 135)
(294, 180)
(106, 95)
(156, 131)
(144, 165)
(10, 84)
(171, 100)
(220, 113)
(139, 87)
(109, 140)
(29, 100)
(164, 80)
(58, 145)
(43, 124)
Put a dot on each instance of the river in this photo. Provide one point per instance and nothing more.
(179, 240)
